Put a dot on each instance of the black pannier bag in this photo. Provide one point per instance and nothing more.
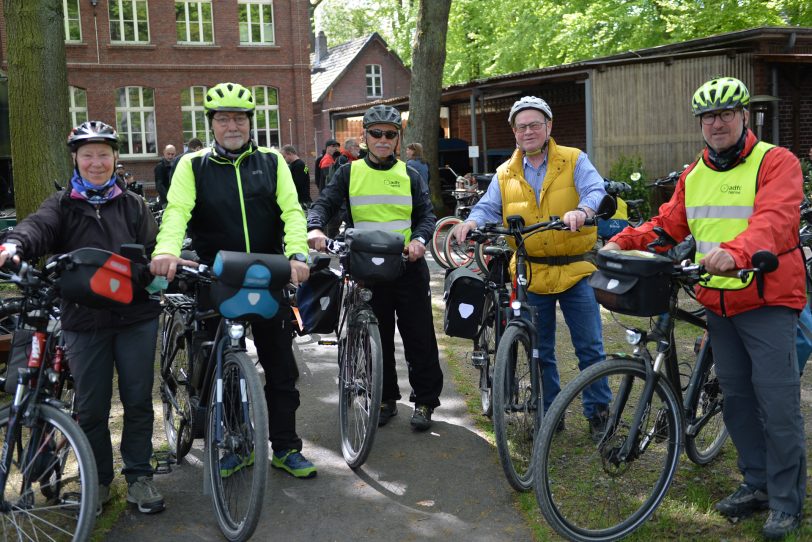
(464, 301)
(17, 357)
(632, 282)
(248, 286)
(375, 256)
(318, 301)
(100, 279)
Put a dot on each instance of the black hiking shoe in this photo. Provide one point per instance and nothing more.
(780, 524)
(597, 423)
(421, 419)
(389, 409)
(742, 502)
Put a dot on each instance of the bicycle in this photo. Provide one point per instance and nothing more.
(517, 372)
(210, 388)
(48, 474)
(605, 490)
(466, 193)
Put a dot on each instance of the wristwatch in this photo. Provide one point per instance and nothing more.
(422, 241)
(299, 257)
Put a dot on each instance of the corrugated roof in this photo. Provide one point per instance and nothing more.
(328, 71)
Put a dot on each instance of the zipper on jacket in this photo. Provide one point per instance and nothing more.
(98, 211)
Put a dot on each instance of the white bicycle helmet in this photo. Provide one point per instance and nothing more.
(529, 102)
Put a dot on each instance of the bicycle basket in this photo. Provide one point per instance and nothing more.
(318, 301)
(375, 256)
(248, 286)
(100, 279)
(632, 282)
(464, 300)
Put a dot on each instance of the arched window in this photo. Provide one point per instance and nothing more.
(135, 120)
(78, 105)
(266, 118)
(195, 122)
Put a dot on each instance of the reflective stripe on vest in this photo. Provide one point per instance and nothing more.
(381, 199)
(718, 205)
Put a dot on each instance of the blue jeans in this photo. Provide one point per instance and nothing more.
(583, 317)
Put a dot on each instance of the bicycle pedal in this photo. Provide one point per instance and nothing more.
(163, 461)
(478, 358)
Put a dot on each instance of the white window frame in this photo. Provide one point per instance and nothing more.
(260, 40)
(261, 101)
(200, 22)
(374, 78)
(121, 23)
(77, 111)
(67, 21)
(203, 133)
(146, 116)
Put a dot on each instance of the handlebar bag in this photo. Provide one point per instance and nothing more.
(248, 286)
(632, 282)
(374, 256)
(318, 301)
(100, 279)
(464, 302)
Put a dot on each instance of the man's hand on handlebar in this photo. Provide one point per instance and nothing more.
(317, 240)
(166, 265)
(575, 219)
(299, 272)
(461, 230)
(719, 262)
(415, 250)
(9, 250)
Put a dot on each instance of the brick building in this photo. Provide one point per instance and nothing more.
(145, 65)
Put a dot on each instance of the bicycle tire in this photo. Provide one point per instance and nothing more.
(707, 443)
(437, 245)
(457, 255)
(360, 386)
(585, 492)
(238, 466)
(52, 484)
(515, 406)
(486, 344)
(175, 397)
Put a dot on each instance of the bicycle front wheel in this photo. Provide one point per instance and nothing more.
(175, 375)
(485, 345)
(237, 447)
(52, 486)
(710, 432)
(437, 245)
(516, 398)
(360, 385)
(590, 491)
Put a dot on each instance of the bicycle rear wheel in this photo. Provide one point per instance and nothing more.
(52, 484)
(705, 445)
(238, 461)
(586, 491)
(515, 406)
(175, 374)
(441, 231)
(360, 386)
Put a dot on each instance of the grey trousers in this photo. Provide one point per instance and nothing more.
(758, 371)
(92, 355)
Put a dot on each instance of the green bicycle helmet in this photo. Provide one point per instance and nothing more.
(229, 97)
(382, 114)
(720, 93)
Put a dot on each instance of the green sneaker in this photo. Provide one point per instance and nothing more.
(231, 463)
(143, 493)
(294, 463)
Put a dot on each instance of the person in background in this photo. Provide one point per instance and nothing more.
(331, 152)
(300, 174)
(97, 210)
(162, 170)
(414, 158)
(120, 173)
(193, 145)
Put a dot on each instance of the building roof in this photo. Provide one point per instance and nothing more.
(325, 74)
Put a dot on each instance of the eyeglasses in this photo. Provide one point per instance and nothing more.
(377, 134)
(534, 127)
(225, 120)
(709, 118)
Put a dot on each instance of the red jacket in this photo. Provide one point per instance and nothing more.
(773, 226)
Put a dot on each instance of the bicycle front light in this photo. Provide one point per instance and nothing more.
(633, 336)
(236, 331)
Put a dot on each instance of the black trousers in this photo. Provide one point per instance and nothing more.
(409, 298)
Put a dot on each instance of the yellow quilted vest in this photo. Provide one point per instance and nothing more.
(558, 195)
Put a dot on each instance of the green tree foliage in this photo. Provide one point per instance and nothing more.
(490, 37)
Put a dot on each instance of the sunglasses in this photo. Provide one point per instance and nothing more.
(377, 134)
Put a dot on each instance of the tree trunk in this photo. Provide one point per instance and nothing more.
(38, 100)
(428, 60)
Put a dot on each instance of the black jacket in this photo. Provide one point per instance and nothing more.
(301, 178)
(337, 193)
(63, 224)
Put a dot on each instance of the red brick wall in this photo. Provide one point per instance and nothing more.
(168, 68)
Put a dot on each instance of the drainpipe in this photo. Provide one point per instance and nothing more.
(474, 161)
(774, 92)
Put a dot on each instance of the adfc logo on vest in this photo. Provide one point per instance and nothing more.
(394, 183)
(732, 189)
